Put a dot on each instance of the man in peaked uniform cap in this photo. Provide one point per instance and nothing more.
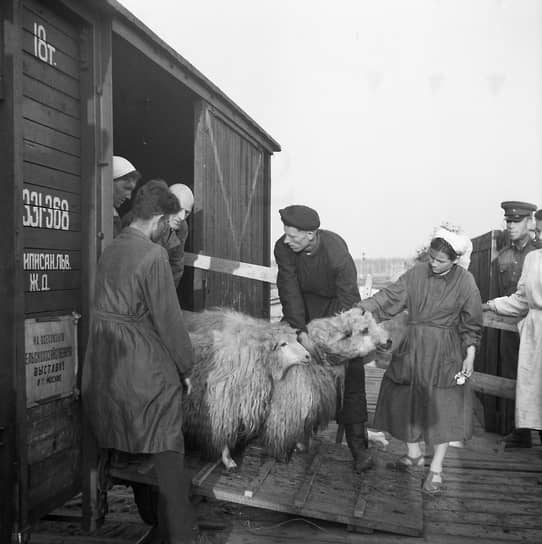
(317, 278)
(509, 263)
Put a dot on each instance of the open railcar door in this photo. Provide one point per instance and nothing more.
(232, 179)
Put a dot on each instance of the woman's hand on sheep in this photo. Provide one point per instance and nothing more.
(315, 351)
(187, 386)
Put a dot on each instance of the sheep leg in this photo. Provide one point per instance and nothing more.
(227, 461)
(303, 447)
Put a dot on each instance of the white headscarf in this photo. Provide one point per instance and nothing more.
(459, 242)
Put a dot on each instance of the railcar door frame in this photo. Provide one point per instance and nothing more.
(96, 192)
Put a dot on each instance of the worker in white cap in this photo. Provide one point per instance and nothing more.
(174, 236)
(125, 178)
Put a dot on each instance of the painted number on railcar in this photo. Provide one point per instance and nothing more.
(42, 49)
(45, 211)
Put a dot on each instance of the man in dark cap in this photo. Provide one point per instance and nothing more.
(317, 278)
(518, 216)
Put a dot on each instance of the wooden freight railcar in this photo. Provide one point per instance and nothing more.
(80, 80)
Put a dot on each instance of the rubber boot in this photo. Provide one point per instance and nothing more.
(358, 442)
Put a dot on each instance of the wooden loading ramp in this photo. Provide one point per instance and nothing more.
(321, 484)
(318, 484)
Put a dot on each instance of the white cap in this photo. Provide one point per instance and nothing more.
(459, 242)
(121, 167)
(184, 195)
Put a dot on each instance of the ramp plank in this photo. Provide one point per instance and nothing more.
(257, 482)
(382, 499)
(303, 493)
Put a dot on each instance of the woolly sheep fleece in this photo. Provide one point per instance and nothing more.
(240, 389)
(306, 398)
(237, 360)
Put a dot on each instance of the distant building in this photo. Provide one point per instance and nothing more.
(382, 270)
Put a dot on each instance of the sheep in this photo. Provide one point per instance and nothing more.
(238, 359)
(306, 398)
(244, 385)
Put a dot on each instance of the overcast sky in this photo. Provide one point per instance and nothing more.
(393, 115)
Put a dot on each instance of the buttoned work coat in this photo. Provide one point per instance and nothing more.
(527, 301)
(321, 284)
(138, 350)
(419, 397)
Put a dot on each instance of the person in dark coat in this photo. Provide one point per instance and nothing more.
(138, 358)
(509, 265)
(425, 395)
(174, 228)
(175, 234)
(317, 278)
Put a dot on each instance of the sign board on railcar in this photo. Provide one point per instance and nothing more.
(50, 358)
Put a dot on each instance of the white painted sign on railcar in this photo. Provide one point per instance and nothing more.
(50, 357)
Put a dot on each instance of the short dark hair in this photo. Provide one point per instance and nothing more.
(538, 215)
(440, 244)
(154, 198)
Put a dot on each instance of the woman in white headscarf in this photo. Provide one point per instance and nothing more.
(425, 395)
(460, 241)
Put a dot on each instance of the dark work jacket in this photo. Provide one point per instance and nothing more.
(445, 317)
(317, 285)
(138, 350)
(173, 242)
(509, 265)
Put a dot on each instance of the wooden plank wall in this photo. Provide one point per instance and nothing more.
(52, 216)
(52, 160)
(10, 173)
(234, 215)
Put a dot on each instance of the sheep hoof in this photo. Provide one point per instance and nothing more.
(378, 438)
(231, 466)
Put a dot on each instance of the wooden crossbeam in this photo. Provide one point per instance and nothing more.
(204, 473)
(493, 385)
(303, 492)
(503, 322)
(257, 482)
(234, 268)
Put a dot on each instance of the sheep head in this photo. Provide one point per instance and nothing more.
(350, 334)
(284, 351)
